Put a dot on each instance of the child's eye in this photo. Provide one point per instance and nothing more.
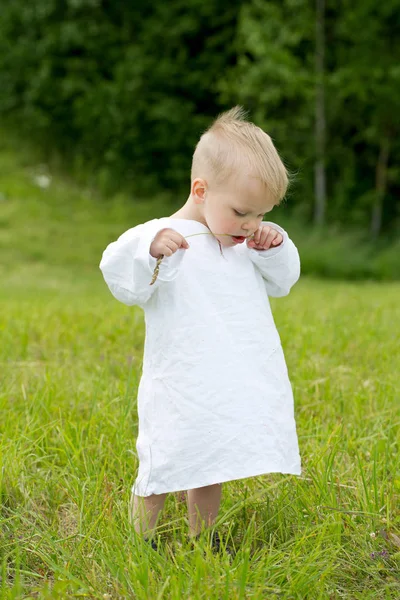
(243, 215)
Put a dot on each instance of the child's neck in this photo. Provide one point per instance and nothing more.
(189, 211)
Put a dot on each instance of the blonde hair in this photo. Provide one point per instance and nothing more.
(231, 144)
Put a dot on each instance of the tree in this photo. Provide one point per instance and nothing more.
(274, 78)
(320, 123)
(363, 93)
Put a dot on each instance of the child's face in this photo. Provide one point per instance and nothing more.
(237, 208)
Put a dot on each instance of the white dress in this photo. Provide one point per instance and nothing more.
(214, 402)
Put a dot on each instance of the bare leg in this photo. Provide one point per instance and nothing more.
(144, 511)
(203, 506)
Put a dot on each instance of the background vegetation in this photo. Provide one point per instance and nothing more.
(121, 92)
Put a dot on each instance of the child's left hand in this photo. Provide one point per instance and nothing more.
(264, 238)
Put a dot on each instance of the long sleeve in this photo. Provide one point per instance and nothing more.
(128, 266)
(280, 266)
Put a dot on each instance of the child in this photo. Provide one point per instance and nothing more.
(215, 402)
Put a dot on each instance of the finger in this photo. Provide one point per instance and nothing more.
(278, 240)
(257, 236)
(180, 240)
(262, 235)
(171, 247)
(270, 237)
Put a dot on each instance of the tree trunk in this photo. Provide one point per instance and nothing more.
(380, 186)
(320, 178)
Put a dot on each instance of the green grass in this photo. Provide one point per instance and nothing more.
(70, 362)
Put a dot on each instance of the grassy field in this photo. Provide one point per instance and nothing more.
(70, 366)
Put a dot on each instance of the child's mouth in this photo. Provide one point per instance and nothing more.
(238, 238)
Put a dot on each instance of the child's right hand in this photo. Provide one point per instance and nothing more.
(167, 242)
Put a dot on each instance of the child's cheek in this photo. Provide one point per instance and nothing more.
(231, 226)
(237, 226)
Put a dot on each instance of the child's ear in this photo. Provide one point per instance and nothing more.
(199, 189)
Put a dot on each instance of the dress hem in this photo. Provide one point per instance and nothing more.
(213, 482)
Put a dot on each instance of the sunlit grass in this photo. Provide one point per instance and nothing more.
(70, 364)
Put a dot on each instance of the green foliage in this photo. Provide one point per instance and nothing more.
(362, 90)
(274, 79)
(276, 75)
(124, 88)
(120, 92)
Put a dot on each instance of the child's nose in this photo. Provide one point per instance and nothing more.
(251, 226)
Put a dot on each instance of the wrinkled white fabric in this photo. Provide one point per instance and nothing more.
(214, 402)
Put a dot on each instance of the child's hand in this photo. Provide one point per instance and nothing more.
(264, 238)
(167, 242)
